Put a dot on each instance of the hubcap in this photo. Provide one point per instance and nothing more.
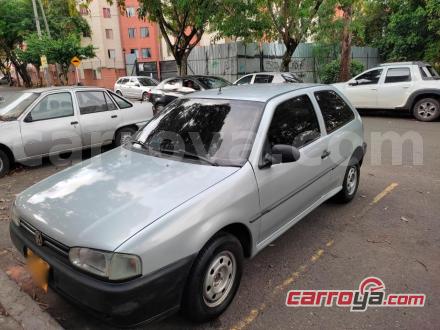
(427, 109)
(125, 137)
(351, 180)
(219, 279)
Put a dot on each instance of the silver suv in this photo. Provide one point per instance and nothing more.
(165, 221)
(43, 122)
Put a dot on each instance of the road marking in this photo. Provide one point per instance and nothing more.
(253, 314)
(385, 192)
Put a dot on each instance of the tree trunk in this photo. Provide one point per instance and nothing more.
(287, 57)
(345, 73)
(182, 63)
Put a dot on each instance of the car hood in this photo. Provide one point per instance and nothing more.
(102, 202)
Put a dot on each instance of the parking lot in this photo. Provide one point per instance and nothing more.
(391, 231)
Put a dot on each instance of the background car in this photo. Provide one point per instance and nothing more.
(268, 78)
(46, 121)
(172, 88)
(7, 80)
(407, 86)
(135, 87)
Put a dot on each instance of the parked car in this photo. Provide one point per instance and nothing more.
(165, 221)
(135, 87)
(42, 122)
(7, 80)
(268, 78)
(406, 86)
(173, 88)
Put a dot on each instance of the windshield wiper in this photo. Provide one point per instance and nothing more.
(142, 144)
(182, 152)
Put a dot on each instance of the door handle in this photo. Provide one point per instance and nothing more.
(325, 154)
(115, 116)
(74, 123)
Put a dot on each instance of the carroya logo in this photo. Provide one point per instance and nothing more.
(371, 293)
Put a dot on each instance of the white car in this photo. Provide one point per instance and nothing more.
(135, 87)
(409, 86)
(268, 78)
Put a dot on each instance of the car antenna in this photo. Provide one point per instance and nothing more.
(220, 90)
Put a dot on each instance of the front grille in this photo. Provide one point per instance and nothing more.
(49, 242)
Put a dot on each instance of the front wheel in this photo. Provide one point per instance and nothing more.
(5, 163)
(350, 184)
(427, 109)
(124, 135)
(214, 279)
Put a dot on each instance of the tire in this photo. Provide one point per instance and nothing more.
(350, 184)
(158, 108)
(122, 134)
(214, 279)
(144, 97)
(427, 109)
(5, 163)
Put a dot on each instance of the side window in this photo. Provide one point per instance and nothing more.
(294, 123)
(122, 104)
(263, 78)
(335, 111)
(172, 84)
(191, 84)
(245, 80)
(53, 106)
(93, 102)
(369, 78)
(396, 75)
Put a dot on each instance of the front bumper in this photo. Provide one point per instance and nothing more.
(140, 300)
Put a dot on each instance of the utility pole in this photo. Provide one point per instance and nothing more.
(37, 18)
(44, 18)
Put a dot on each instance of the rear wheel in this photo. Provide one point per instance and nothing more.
(124, 135)
(214, 279)
(5, 163)
(145, 96)
(157, 109)
(350, 184)
(427, 109)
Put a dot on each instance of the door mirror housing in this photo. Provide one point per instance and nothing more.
(281, 153)
(137, 85)
(353, 83)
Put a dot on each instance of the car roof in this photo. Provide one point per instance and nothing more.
(419, 63)
(62, 88)
(255, 92)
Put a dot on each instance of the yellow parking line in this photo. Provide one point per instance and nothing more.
(385, 192)
(253, 314)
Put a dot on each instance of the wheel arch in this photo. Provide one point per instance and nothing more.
(421, 94)
(241, 232)
(358, 156)
(8, 152)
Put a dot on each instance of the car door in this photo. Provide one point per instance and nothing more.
(51, 126)
(124, 87)
(362, 91)
(288, 189)
(99, 117)
(395, 88)
(137, 88)
(131, 87)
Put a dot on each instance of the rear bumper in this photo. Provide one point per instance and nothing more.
(140, 300)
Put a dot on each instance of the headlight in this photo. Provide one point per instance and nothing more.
(114, 266)
(14, 215)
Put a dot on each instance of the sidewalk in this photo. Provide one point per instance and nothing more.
(19, 311)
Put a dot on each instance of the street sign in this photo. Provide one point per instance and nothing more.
(44, 64)
(76, 61)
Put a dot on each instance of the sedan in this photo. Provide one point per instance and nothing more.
(268, 78)
(135, 87)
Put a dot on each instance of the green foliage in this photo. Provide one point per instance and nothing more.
(331, 71)
(35, 47)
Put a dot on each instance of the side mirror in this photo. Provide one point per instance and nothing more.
(137, 85)
(28, 118)
(353, 83)
(281, 153)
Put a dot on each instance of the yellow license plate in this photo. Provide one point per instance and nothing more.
(39, 269)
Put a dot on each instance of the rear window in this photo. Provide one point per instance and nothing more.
(335, 111)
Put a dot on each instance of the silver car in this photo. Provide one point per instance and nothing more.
(136, 87)
(43, 122)
(268, 78)
(164, 222)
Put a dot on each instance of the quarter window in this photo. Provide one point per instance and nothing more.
(245, 80)
(294, 123)
(335, 111)
(93, 102)
(122, 104)
(396, 75)
(369, 78)
(53, 106)
(263, 79)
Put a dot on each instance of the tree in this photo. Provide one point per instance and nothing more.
(181, 22)
(35, 47)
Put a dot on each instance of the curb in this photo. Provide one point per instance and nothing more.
(22, 308)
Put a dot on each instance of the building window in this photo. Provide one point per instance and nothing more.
(106, 12)
(109, 33)
(131, 33)
(134, 51)
(146, 52)
(111, 54)
(83, 11)
(144, 32)
(130, 11)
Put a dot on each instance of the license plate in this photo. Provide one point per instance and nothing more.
(39, 269)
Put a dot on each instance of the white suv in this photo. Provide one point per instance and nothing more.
(411, 86)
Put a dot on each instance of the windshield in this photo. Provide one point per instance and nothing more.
(13, 105)
(147, 82)
(213, 82)
(221, 132)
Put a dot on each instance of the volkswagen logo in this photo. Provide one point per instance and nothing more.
(38, 238)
